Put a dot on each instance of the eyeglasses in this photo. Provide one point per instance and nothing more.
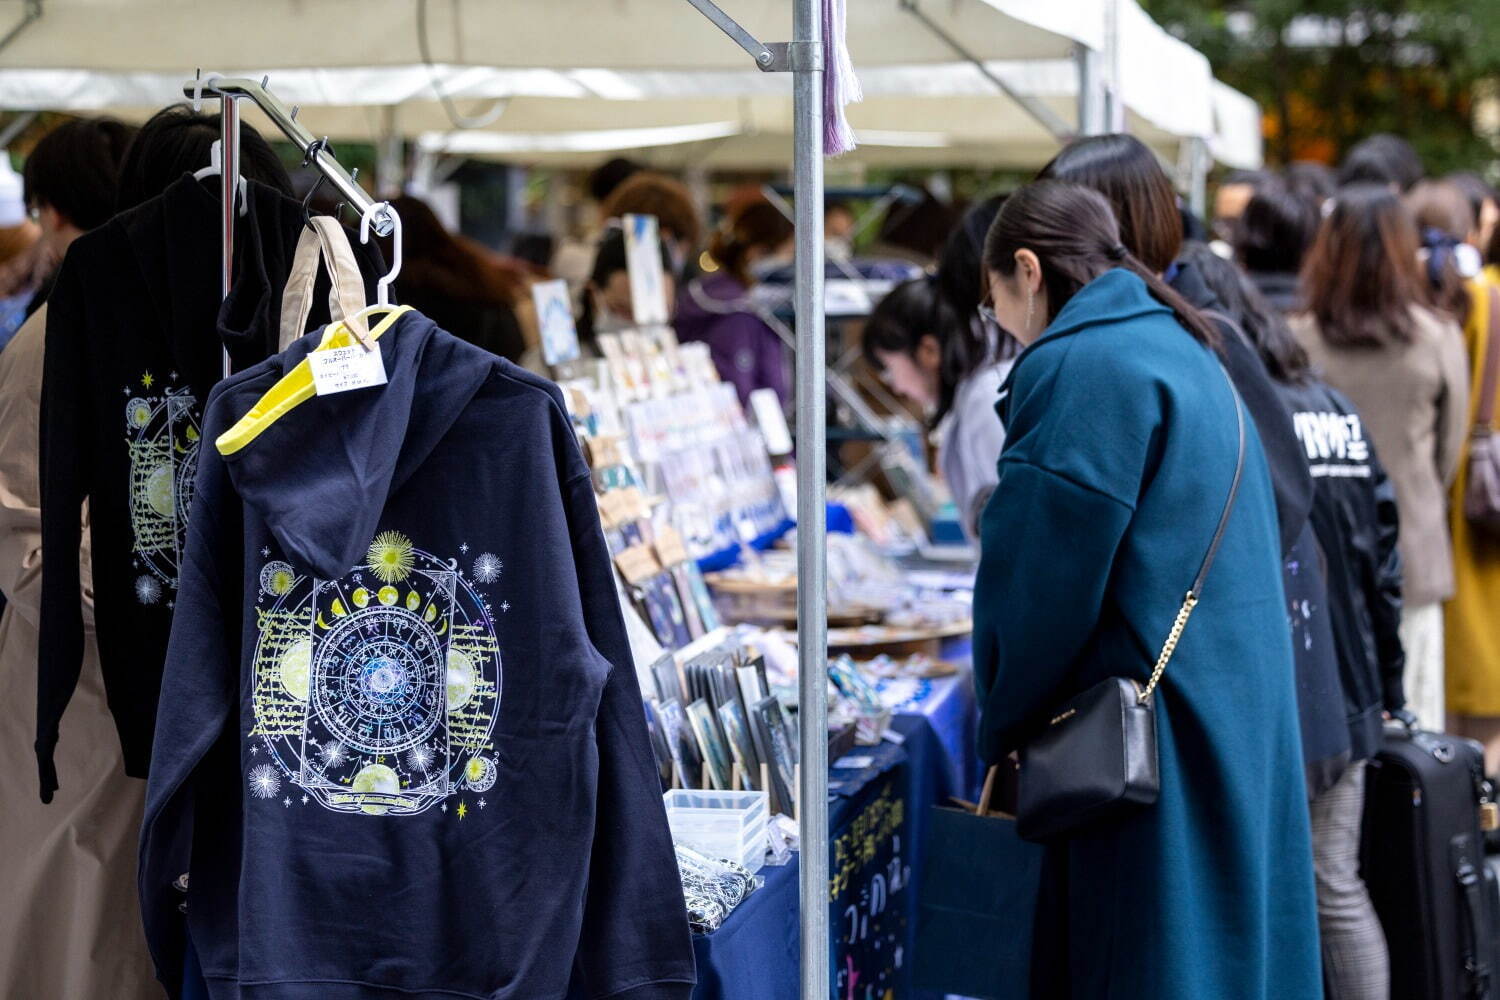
(986, 310)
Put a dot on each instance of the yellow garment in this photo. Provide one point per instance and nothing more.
(1473, 615)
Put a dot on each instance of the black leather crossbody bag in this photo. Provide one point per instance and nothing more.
(1097, 758)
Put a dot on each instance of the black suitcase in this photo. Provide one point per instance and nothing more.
(1423, 860)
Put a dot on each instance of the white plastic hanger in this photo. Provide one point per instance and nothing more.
(383, 286)
(216, 167)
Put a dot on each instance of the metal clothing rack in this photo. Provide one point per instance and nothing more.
(230, 91)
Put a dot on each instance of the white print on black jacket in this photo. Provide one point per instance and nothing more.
(1335, 443)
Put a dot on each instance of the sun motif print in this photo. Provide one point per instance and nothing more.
(376, 694)
(161, 438)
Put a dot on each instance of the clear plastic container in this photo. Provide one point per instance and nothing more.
(728, 825)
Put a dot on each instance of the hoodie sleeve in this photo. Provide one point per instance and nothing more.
(635, 937)
(66, 416)
(199, 694)
(1383, 590)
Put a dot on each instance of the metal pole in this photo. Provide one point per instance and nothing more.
(1114, 98)
(1090, 91)
(812, 458)
(1201, 161)
(229, 177)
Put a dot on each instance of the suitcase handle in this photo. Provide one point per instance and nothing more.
(1469, 887)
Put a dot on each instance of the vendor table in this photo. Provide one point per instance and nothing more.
(877, 814)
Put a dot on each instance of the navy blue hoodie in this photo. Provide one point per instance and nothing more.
(401, 746)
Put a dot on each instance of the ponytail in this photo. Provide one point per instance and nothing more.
(1074, 234)
(759, 225)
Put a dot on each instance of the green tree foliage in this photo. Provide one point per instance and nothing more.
(1329, 72)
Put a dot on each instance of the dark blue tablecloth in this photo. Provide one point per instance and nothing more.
(755, 955)
(934, 760)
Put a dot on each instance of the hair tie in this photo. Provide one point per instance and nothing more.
(1117, 252)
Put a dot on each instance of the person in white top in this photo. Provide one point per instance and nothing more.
(934, 347)
(951, 369)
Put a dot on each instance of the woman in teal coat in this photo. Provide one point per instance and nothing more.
(1121, 449)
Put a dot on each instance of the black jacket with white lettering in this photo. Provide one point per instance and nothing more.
(1354, 517)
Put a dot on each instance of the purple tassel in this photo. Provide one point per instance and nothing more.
(840, 85)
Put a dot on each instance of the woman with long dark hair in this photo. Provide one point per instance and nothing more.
(460, 286)
(1127, 173)
(1123, 438)
(1370, 329)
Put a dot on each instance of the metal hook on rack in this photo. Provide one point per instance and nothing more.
(318, 145)
(383, 209)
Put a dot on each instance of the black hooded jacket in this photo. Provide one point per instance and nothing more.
(402, 744)
(1289, 478)
(1354, 517)
(131, 354)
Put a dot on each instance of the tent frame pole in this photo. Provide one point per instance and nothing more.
(812, 485)
(804, 58)
(1037, 109)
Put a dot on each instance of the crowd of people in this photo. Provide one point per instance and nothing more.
(1294, 389)
(1352, 311)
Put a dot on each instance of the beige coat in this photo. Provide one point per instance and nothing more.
(1414, 400)
(70, 922)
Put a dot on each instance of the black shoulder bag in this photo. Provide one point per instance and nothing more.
(1097, 759)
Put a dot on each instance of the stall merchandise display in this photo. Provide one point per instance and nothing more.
(368, 575)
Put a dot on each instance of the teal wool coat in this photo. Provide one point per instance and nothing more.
(1119, 456)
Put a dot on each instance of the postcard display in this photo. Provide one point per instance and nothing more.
(679, 474)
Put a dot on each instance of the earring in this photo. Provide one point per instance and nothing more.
(1030, 307)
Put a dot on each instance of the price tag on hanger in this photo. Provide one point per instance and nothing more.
(339, 369)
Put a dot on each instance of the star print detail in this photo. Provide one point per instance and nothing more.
(173, 376)
(265, 550)
(148, 380)
(463, 547)
(504, 605)
(463, 809)
(444, 807)
(304, 800)
(287, 801)
(126, 390)
(482, 803)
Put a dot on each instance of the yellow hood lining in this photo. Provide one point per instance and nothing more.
(296, 386)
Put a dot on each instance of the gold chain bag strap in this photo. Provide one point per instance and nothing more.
(1096, 759)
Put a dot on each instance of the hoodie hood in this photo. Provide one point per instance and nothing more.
(319, 469)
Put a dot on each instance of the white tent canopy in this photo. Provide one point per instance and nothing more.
(583, 78)
(151, 35)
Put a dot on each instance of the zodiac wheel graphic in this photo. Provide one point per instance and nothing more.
(377, 693)
(379, 681)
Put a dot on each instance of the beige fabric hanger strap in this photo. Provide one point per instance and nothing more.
(325, 240)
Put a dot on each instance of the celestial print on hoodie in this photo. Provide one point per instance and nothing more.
(162, 427)
(375, 693)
